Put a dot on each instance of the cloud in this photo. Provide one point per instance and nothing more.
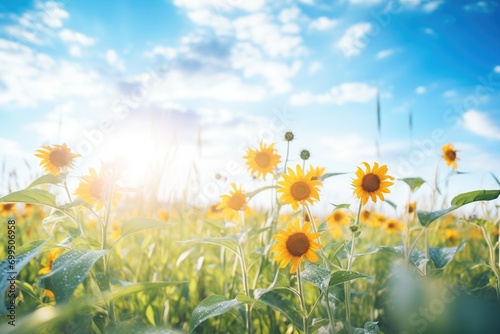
(420, 90)
(450, 93)
(481, 124)
(385, 53)
(222, 5)
(353, 41)
(314, 67)
(483, 7)
(496, 69)
(354, 92)
(161, 51)
(365, 2)
(431, 6)
(430, 31)
(69, 36)
(114, 60)
(289, 14)
(323, 23)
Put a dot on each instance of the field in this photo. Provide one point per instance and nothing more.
(100, 258)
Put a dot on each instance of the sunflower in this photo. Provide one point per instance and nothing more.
(298, 188)
(294, 244)
(450, 155)
(91, 189)
(7, 209)
(233, 203)
(51, 257)
(394, 226)
(262, 161)
(372, 183)
(452, 235)
(56, 158)
(335, 231)
(377, 220)
(365, 216)
(162, 215)
(411, 208)
(317, 172)
(338, 217)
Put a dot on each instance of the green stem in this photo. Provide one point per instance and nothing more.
(492, 261)
(305, 318)
(246, 289)
(329, 312)
(413, 245)
(286, 157)
(350, 260)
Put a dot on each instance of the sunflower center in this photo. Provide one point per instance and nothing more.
(337, 216)
(300, 190)
(8, 206)
(59, 158)
(95, 189)
(451, 155)
(262, 159)
(236, 201)
(391, 226)
(366, 214)
(370, 183)
(297, 244)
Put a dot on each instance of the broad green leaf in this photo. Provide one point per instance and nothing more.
(426, 218)
(281, 281)
(134, 288)
(56, 218)
(317, 323)
(369, 328)
(230, 242)
(342, 276)
(140, 224)
(209, 307)
(475, 196)
(68, 271)
(333, 248)
(32, 196)
(9, 270)
(417, 257)
(327, 175)
(413, 182)
(443, 256)
(49, 179)
(341, 206)
(322, 227)
(285, 306)
(317, 275)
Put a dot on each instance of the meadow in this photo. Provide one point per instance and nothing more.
(99, 258)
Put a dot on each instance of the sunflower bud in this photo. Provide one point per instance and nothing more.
(305, 154)
(289, 136)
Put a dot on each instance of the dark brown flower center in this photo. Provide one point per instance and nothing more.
(236, 201)
(300, 190)
(370, 183)
(391, 226)
(297, 244)
(59, 158)
(8, 206)
(338, 216)
(262, 159)
(451, 155)
(365, 214)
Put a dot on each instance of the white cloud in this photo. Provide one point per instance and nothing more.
(70, 36)
(52, 13)
(209, 18)
(323, 23)
(114, 60)
(289, 14)
(431, 6)
(223, 5)
(496, 69)
(420, 90)
(356, 92)
(450, 93)
(484, 7)
(410, 3)
(430, 31)
(385, 53)
(365, 2)
(9, 147)
(162, 51)
(353, 41)
(75, 50)
(481, 124)
(315, 67)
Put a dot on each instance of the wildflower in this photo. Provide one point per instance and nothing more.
(289, 136)
(450, 155)
(338, 217)
(7, 209)
(47, 267)
(294, 244)
(297, 188)
(262, 161)
(91, 189)
(162, 215)
(305, 154)
(56, 158)
(317, 172)
(372, 183)
(233, 203)
(394, 226)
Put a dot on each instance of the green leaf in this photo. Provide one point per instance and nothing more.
(327, 175)
(134, 288)
(323, 226)
(426, 218)
(10, 270)
(391, 203)
(317, 275)
(281, 281)
(341, 206)
(475, 196)
(32, 196)
(150, 315)
(68, 271)
(496, 179)
(413, 182)
(443, 256)
(369, 328)
(140, 224)
(417, 257)
(209, 307)
(230, 242)
(49, 179)
(285, 306)
(56, 218)
(342, 276)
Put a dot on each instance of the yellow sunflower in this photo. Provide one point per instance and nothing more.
(297, 188)
(450, 155)
(372, 183)
(294, 244)
(338, 217)
(7, 209)
(317, 172)
(56, 158)
(263, 160)
(411, 208)
(233, 203)
(51, 257)
(335, 231)
(394, 226)
(162, 215)
(365, 216)
(452, 235)
(91, 189)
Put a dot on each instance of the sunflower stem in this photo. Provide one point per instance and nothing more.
(305, 318)
(350, 260)
(286, 157)
(244, 274)
(329, 312)
(71, 200)
(493, 266)
(413, 245)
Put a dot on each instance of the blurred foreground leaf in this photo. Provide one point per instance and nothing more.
(210, 307)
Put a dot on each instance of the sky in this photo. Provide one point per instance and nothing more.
(186, 86)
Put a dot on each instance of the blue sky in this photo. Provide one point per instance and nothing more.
(236, 71)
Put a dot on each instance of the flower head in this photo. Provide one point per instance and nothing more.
(56, 158)
(394, 226)
(288, 136)
(294, 244)
(450, 155)
(338, 217)
(233, 203)
(262, 161)
(51, 257)
(297, 188)
(317, 172)
(372, 183)
(7, 209)
(92, 189)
